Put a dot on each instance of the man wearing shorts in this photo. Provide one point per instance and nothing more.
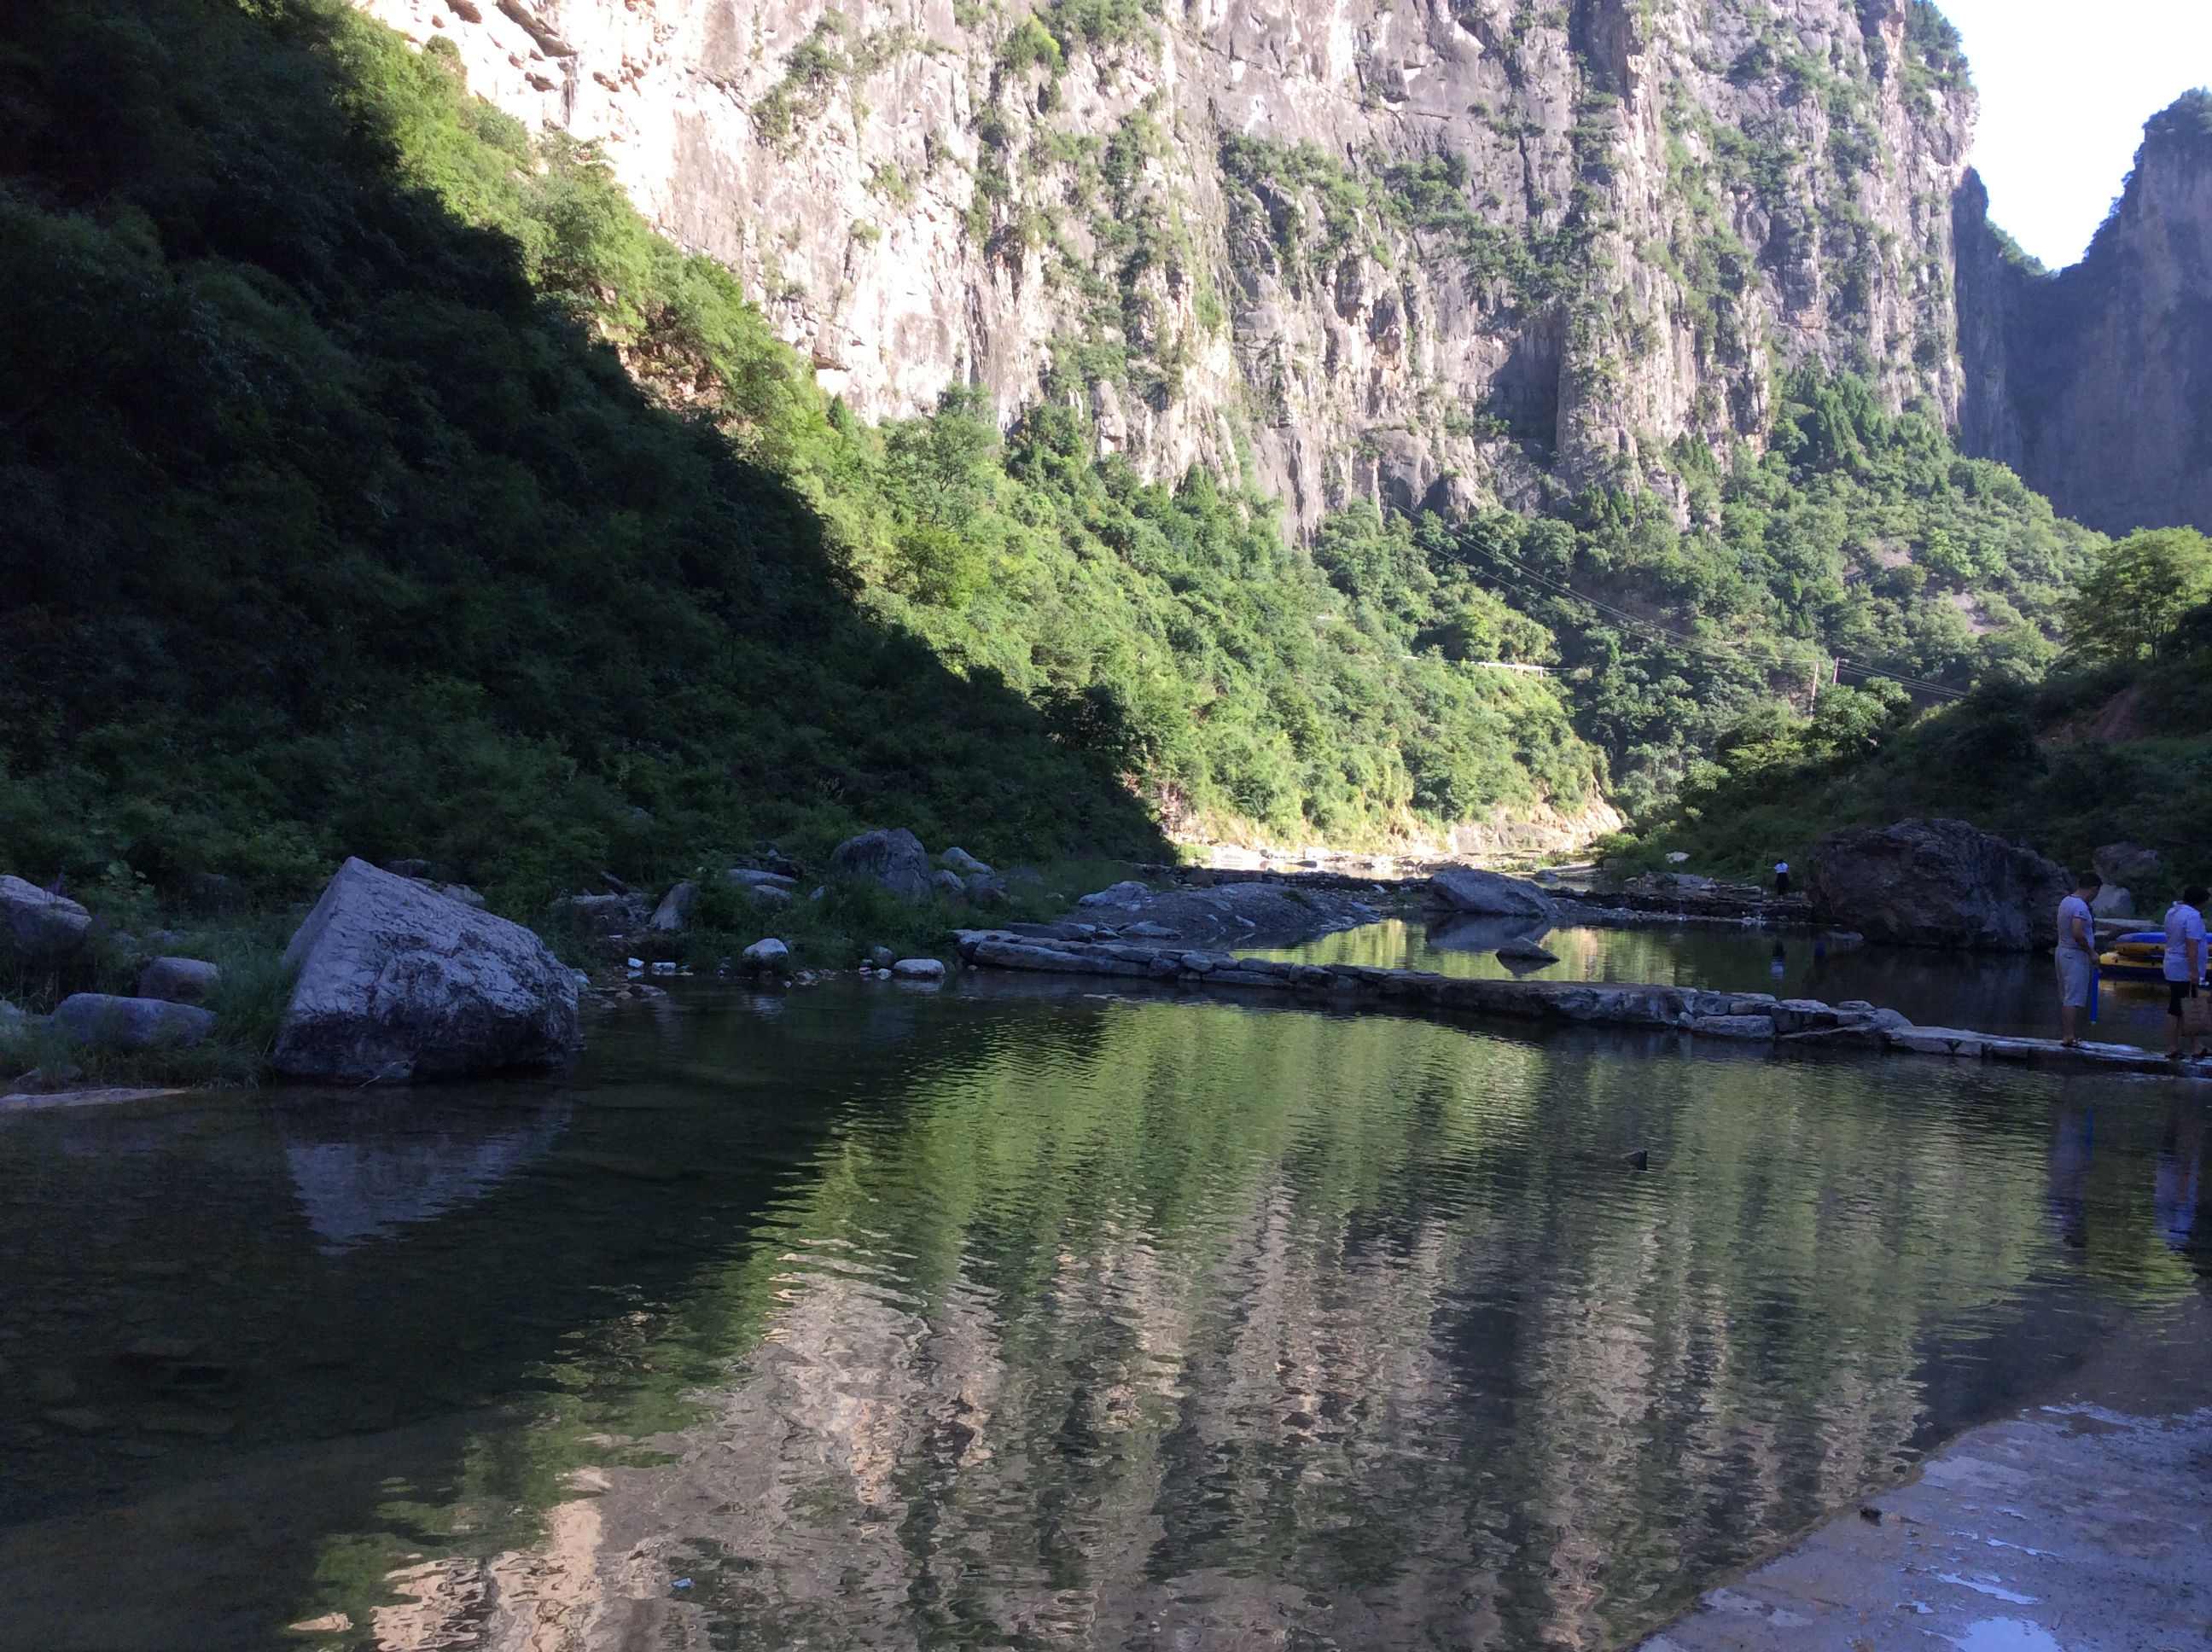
(2184, 962)
(2076, 954)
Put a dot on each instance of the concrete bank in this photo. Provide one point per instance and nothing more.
(2083, 1523)
(1737, 1017)
(2061, 1530)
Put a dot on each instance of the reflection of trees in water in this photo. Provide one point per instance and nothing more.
(1247, 1325)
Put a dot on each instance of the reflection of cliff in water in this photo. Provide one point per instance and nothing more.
(1244, 1326)
(364, 1166)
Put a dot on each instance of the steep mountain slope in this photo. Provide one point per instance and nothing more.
(1412, 253)
(2095, 383)
(321, 532)
(334, 523)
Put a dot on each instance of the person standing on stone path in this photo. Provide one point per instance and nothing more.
(1780, 880)
(2076, 954)
(2184, 962)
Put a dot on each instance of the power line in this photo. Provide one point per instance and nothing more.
(1919, 685)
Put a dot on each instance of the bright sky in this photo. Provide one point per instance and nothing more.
(2066, 85)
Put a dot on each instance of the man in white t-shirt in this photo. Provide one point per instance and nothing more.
(2076, 954)
(2184, 962)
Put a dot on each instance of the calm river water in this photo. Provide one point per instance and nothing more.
(2011, 992)
(1008, 1317)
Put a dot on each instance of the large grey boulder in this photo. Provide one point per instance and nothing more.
(893, 858)
(2116, 863)
(36, 925)
(397, 981)
(1490, 894)
(1937, 883)
(179, 980)
(131, 1023)
(675, 908)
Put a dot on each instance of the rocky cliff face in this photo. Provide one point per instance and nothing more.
(1421, 250)
(2095, 384)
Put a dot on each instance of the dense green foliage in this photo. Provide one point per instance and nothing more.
(2099, 751)
(330, 528)
(1860, 535)
(337, 525)
(2137, 592)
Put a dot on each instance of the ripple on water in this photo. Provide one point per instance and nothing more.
(1045, 1322)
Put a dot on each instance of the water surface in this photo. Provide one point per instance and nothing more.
(1009, 1318)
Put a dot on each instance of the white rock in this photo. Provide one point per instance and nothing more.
(1127, 893)
(752, 878)
(675, 908)
(397, 981)
(919, 969)
(766, 954)
(965, 863)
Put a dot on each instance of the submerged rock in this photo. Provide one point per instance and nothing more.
(1937, 883)
(38, 925)
(131, 1023)
(893, 858)
(1523, 949)
(397, 981)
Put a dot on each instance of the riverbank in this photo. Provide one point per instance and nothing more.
(2080, 1521)
(1750, 1019)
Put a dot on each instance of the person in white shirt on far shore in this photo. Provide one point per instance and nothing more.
(2184, 962)
(2076, 954)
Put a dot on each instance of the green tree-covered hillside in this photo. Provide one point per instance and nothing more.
(334, 523)
(2110, 746)
(376, 482)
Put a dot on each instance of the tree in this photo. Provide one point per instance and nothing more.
(2137, 591)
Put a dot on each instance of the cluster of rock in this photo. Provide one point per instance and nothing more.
(893, 858)
(44, 927)
(1269, 911)
(1679, 895)
(896, 859)
(399, 977)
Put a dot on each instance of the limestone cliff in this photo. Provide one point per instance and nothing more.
(1435, 251)
(2095, 383)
